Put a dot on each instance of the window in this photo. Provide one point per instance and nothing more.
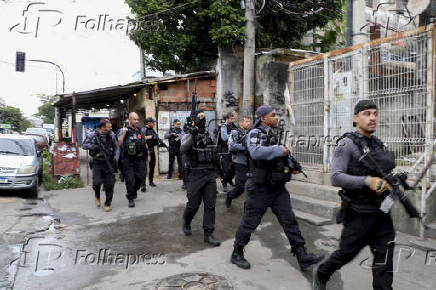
(17, 147)
(401, 5)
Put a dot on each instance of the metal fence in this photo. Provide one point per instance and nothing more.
(394, 72)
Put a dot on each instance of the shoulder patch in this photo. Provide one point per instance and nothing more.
(254, 136)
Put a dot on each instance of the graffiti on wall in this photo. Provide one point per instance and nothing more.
(230, 99)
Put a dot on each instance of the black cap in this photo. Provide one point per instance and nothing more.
(150, 120)
(363, 105)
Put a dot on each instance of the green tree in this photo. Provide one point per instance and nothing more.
(46, 111)
(184, 35)
(333, 34)
(12, 115)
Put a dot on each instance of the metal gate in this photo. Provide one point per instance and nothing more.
(394, 72)
(307, 98)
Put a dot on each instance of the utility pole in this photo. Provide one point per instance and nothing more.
(249, 59)
(141, 59)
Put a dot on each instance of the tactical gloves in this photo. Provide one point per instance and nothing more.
(377, 184)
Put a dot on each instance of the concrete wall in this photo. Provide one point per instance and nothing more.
(272, 85)
(229, 82)
(401, 219)
(272, 82)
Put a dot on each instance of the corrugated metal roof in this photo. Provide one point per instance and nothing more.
(101, 98)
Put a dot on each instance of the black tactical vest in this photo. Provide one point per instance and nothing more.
(154, 141)
(134, 144)
(204, 153)
(365, 197)
(105, 141)
(175, 141)
(274, 172)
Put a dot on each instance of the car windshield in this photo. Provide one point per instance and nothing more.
(36, 131)
(17, 147)
(38, 138)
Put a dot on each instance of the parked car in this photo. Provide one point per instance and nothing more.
(20, 163)
(41, 141)
(38, 131)
(50, 133)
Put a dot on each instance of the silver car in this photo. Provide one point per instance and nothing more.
(20, 163)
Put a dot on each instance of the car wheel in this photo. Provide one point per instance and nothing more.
(34, 190)
(40, 178)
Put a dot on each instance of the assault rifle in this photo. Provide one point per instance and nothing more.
(290, 160)
(103, 151)
(395, 181)
(194, 109)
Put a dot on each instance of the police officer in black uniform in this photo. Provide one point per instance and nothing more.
(238, 149)
(363, 191)
(104, 150)
(203, 161)
(135, 155)
(152, 141)
(270, 167)
(174, 136)
(185, 160)
(227, 170)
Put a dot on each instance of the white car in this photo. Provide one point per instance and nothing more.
(38, 131)
(20, 163)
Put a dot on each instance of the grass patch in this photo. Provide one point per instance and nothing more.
(51, 183)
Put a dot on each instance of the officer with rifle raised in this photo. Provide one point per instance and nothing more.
(202, 156)
(104, 150)
(363, 167)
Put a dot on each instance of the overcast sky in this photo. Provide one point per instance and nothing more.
(67, 35)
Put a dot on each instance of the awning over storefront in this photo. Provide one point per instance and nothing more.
(98, 98)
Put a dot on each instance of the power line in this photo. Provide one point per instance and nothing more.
(276, 6)
(165, 11)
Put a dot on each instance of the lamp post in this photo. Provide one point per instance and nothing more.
(20, 59)
(52, 63)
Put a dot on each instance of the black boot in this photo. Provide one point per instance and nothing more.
(228, 201)
(187, 229)
(152, 184)
(317, 284)
(238, 257)
(225, 187)
(143, 188)
(208, 238)
(304, 259)
(170, 176)
(131, 203)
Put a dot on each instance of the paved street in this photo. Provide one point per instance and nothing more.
(63, 241)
